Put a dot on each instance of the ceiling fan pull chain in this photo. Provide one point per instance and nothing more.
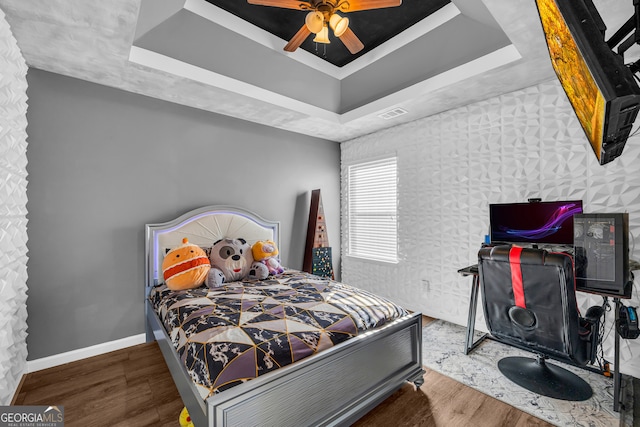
(324, 54)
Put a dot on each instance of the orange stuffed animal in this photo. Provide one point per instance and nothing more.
(185, 266)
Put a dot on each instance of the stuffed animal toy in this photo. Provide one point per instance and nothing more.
(185, 419)
(258, 271)
(266, 252)
(185, 266)
(232, 260)
(215, 278)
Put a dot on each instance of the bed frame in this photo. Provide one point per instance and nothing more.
(334, 387)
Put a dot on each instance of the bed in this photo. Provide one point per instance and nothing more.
(344, 372)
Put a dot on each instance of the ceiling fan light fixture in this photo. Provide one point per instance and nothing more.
(314, 21)
(322, 36)
(339, 24)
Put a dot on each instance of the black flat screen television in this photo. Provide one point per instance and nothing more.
(535, 223)
(600, 87)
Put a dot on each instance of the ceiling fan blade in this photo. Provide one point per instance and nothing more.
(297, 39)
(351, 41)
(286, 4)
(355, 5)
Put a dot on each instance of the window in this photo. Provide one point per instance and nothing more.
(372, 211)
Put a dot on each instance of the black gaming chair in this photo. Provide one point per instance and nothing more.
(529, 302)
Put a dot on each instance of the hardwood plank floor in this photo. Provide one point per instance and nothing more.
(133, 387)
(443, 402)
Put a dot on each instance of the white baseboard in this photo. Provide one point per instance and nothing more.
(18, 386)
(83, 353)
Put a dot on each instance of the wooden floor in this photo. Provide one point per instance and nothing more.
(133, 387)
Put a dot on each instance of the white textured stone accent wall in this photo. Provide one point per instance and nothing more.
(13, 214)
(452, 165)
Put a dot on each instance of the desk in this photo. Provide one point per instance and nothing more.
(616, 358)
(469, 344)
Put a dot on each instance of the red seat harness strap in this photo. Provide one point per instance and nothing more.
(516, 276)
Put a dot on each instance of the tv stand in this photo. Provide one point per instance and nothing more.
(632, 26)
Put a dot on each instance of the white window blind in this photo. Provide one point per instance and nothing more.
(373, 202)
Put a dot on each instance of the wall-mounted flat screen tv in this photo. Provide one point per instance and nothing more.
(601, 89)
(536, 223)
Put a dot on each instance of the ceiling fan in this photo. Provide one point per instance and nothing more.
(322, 15)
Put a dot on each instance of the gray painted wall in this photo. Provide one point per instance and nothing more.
(103, 162)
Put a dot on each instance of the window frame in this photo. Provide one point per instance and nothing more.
(372, 211)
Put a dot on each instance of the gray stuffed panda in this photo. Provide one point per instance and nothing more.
(232, 260)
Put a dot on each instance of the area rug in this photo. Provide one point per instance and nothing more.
(443, 344)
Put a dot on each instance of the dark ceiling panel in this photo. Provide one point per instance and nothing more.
(373, 27)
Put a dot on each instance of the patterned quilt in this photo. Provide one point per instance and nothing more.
(228, 335)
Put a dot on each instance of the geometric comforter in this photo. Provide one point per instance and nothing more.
(229, 335)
